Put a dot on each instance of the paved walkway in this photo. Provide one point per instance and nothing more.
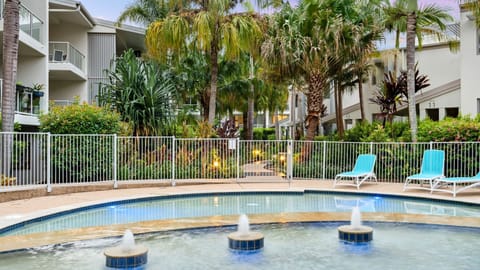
(19, 210)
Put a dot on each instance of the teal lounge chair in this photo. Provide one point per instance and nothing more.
(432, 169)
(442, 184)
(362, 171)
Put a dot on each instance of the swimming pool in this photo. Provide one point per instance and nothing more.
(287, 246)
(204, 205)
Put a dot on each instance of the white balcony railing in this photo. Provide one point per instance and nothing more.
(64, 52)
(29, 23)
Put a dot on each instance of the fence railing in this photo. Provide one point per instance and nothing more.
(40, 159)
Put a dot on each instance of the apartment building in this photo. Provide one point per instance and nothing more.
(453, 77)
(63, 54)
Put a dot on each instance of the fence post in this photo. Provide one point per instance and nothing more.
(431, 145)
(238, 159)
(371, 147)
(49, 183)
(289, 160)
(115, 182)
(173, 161)
(324, 159)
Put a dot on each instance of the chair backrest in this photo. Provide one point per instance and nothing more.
(433, 162)
(365, 163)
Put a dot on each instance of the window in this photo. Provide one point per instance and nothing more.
(433, 114)
(478, 105)
(451, 112)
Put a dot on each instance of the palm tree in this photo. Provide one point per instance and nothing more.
(210, 26)
(293, 48)
(145, 11)
(10, 61)
(396, 14)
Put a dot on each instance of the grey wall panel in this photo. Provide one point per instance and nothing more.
(101, 53)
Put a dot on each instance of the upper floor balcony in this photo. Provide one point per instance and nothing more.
(32, 31)
(66, 62)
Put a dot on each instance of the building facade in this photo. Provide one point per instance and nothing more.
(63, 55)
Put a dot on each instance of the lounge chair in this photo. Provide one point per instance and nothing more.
(442, 184)
(362, 171)
(432, 169)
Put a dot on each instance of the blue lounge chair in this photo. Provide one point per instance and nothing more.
(432, 169)
(362, 171)
(442, 184)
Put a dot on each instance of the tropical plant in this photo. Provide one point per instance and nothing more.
(393, 92)
(145, 11)
(193, 79)
(140, 91)
(210, 26)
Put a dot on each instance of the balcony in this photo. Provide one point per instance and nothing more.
(30, 24)
(66, 62)
(32, 31)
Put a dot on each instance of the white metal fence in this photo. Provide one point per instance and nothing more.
(40, 159)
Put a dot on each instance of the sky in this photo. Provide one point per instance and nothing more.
(111, 9)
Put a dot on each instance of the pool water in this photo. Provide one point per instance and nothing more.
(235, 204)
(287, 246)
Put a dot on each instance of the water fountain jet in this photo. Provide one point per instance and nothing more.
(127, 254)
(243, 238)
(355, 232)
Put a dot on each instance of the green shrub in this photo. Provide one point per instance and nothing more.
(263, 133)
(449, 129)
(81, 158)
(80, 119)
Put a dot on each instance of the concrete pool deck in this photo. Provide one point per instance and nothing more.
(15, 211)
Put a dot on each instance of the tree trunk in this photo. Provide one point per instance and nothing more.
(213, 78)
(339, 110)
(412, 112)
(395, 56)
(250, 105)
(277, 126)
(245, 124)
(316, 85)
(10, 60)
(360, 95)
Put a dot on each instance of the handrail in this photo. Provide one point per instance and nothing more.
(65, 52)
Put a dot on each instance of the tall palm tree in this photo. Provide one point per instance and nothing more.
(210, 26)
(414, 21)
(396, 14)
(365, 46)
(295, 47)
(10, 60)
(356, 26)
